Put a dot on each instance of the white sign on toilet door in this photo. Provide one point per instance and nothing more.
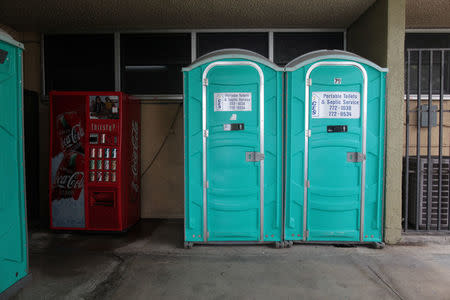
(335, 105)
(232, 101)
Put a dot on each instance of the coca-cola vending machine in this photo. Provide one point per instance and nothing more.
(94, 161)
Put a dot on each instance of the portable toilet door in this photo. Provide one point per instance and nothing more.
(13, 230)
(233, 149)
(334, 148)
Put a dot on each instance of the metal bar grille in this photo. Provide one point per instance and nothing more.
(426, 164)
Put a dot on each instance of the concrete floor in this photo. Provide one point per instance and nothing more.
(149, 263)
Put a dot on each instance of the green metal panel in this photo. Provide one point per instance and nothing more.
(233, 196)
(334, 201)
(13, 233)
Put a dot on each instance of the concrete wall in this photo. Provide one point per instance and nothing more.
(163, 182)
(379, 36)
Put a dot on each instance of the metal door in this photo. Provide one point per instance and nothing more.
(335, 123)
(233, 151)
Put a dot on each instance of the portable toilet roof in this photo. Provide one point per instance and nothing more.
(5, 37)
(231, 53)
(314, 56)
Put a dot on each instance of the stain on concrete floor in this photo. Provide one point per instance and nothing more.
(149, 263)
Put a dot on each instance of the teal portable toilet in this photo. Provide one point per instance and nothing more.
(334, 148)
(233, 149)
(13, 229)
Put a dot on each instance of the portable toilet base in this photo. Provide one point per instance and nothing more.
(233, 149)
(335, 128)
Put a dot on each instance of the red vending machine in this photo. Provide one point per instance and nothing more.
(94, 161)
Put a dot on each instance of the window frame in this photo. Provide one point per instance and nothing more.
(193, 32)
(423, 95)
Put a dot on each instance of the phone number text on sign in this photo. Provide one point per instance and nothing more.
(232, 101)
(335, 105)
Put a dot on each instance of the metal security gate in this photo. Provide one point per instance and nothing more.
(426, 164)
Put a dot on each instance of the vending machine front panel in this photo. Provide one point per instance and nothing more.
(101, 139)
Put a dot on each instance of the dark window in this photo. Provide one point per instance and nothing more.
(289, 45)
(425, 42)
(79, 62)
(257, 42)
(151, 63)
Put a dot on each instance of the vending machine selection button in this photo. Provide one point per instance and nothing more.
(113, 176)
(93, 138)
(106, 164)
(107, 152)
(91, 176)
(106, 176)
(100, 152)
(99, 176)
(92, 164)
(113, 164)
(114, 153)
(92, 152)
(99, 164)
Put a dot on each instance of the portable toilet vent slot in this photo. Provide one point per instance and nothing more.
(334, 148)
(3, 55)
(233, 149)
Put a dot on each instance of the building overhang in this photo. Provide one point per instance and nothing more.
(99, 15)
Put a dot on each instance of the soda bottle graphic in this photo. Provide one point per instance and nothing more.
(69, 131)
(69, 179)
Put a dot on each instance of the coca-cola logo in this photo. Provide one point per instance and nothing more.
(134, 155)
(135, 145)
(72, 136)
(70, 181)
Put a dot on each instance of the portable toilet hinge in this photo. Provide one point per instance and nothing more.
(254, 156)
(306, 234)
(355, 157)
(207, 235)
(205, 82)
(307, 183)
(206, 133)
(308, 133)
(309, 82)
(207, 184)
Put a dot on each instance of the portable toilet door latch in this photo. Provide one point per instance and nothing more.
(254, 156)
(355, 157)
